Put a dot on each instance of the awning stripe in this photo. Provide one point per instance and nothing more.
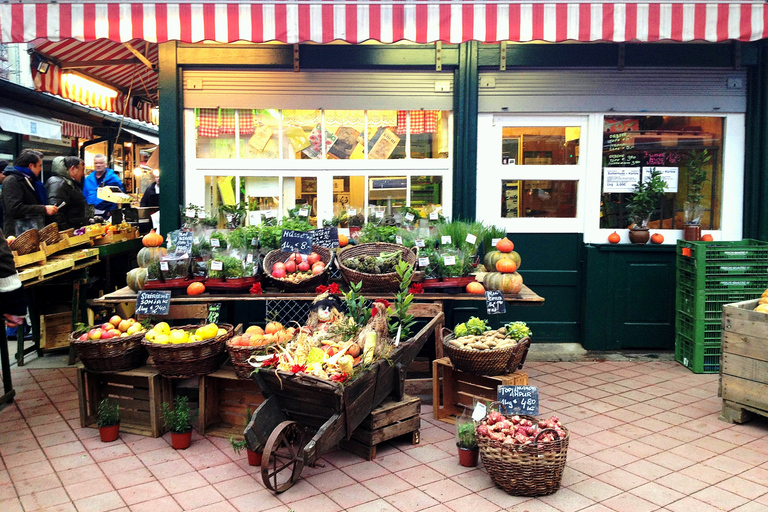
(70, 129)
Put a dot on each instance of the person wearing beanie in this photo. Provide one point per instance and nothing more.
(24, 195)
(66, 186)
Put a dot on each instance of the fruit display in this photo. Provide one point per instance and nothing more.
(136, 278)
(515, 430)
(384, 263)
(162, 334)
(255, 336)
(116, 327)
(507, 283)
(762, 304)
(298, 267)
(504, 251)
(476, 335)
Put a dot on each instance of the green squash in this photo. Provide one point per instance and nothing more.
(494, 256)
(136, 278)
(507, 283)
(149, 254)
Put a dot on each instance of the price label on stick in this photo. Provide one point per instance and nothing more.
(433, 216)
(326, 237)
(409, 217)
(215, 242)
(296, 241)
(213, 312)
(494, 302)
(153, 302)
(304, 212)
(423, 262)
(399, 239)
(479, 411)
(519, 399)
(449, 260)
(217, 265)
(494, 241)
(446, 239)
(189, 213)
(379, 215)
(419, 242)
(164, 266)
(201, 214)
(471, 239)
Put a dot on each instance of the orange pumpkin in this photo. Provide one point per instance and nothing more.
(273, 327)
(492, 257)
(475, 288)
(505, 245)
(507, 283)
(657, 238)
(506, 266)
(343, 240)
(195, 288)
(706, 238)
(152, 239)
(614, 238)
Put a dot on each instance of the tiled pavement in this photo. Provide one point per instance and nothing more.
(645, 437)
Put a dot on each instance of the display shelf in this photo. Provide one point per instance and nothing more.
(224, 402)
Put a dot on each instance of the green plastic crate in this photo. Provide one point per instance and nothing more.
(697, 357)
(708, 306)
(722, 283)
(728, 253)
(698, 331)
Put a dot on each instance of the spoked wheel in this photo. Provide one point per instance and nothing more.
(283, 456)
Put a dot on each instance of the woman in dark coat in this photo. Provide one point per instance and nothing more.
(66, 186)
(24, 195)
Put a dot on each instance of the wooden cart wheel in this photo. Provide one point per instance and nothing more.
(283, 456)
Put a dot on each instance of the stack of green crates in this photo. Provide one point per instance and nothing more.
(710, 275)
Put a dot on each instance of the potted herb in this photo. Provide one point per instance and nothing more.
(233, 268)
(216, 269)
(153, 271)
(693, 209)
(108, 420)
(218, 241)
(174, 269)
(233, 214)
(642, 204)
(466, 441)
(254, 458)
(178, 419)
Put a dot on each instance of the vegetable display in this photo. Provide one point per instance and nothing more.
(517, 430)
(384, 263)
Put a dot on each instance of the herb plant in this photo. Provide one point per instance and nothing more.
(232, 267)
(518, 330)
(222, 238)
(178, 418)
(697, 175)
(465, 435)
(402, 303)
(153, 271)
(357, 305)
(108, 413)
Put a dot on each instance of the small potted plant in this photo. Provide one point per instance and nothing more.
(642, 204)
(178, 419)
(108, 420)
(466, 441)
(693, 209)
(254, 458)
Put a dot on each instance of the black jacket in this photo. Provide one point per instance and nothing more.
(19, 202)
(150, 197)
(12, 299)
(75, 213)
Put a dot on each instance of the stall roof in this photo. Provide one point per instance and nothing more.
(29, 124)
(420, 21)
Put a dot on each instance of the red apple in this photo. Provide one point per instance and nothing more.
(107, 327)
(313, 258)
(290, 266)
(115, 320)
(317, 269)
(94, 334)
(115, 332)
(297, 257)
(83, 337)
(105, 335)
(279, 273)
(278, 265)
(303, 266)
(124, 325)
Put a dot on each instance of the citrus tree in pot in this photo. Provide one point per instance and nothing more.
(642, 204)
(108, 420)
(693, 209)
(178, 419)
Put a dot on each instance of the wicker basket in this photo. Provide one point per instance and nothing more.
(487, 362)
(240, 356)
(110, 355)
(373, 282)
(26, 243)
(183, 360)
(307, 284)
(534, 469)
(50, 234)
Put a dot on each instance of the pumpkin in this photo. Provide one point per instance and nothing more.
(493, 257)
(706, 238)
(507, 283)
(505, 266)
(657, 238)
(152, 239)
(505, 245)
(149, 254)
(475, 288)
(614, 238)
(136, 278)
(343, 240)
(195, 288)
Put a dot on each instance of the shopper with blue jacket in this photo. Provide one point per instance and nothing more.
(100, 177)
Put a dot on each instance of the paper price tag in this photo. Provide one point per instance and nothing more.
(304, 212)
(494, 241)
(424, 262)
(351, 212)
(419, 242)
(201, 214)
(399, 240)
(249, 259)
(164, 266)
(471, 239)
(409, 217)
(449, 260)
(254, 242)
(379, 215)
(479, 412)
(433, 216)
(399, 332)
(217, 265)
(189, 213)
(229, 217)
(446, 239)
(215, 242)
(270, 214)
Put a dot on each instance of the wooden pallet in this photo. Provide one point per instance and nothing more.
(82, 255)
(140, 394)
(224, 403)
(389, 420)
(29, 273)
(457, 389)
(78, 240)
(111, 238)
(56, 264)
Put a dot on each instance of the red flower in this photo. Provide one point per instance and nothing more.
(334, 289)
(272, 361)
(256, 289)
(386, 303)
(340, 377)
(416, 288)
(321, 289)
(298, 368)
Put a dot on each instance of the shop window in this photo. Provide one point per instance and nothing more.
(540, 145)
(300, 199)
(429, 132)
(349, 200)
(259, 132)
(384, 140)
(426, 193)
(261, 194)
(345, 134)
(538, 198)
(386, 192)
(682, 148)
(215, 133)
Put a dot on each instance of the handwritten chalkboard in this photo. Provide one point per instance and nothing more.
(184, 242)
(494, 302)
(213, 312)
(619, 141)
(296, 241)
(326, 237)
(153, 302)
(519, 399)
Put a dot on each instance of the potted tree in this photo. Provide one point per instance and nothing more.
(178, 419)
(108, 420)
(697, 175)
(642, 204)
(465, 440)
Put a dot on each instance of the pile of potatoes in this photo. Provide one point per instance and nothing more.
(489, 340)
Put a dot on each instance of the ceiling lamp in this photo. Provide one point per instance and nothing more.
(87, 86)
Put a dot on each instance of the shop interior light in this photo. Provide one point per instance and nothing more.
(42, 66)
(88, 85)
(128, 144)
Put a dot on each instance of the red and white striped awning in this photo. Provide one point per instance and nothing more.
(70, 129)
(355, 21)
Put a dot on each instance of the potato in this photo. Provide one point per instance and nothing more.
(456, 344)
(480, 346)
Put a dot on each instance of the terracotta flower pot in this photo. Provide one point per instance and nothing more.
(468, 457)
(639, 235)
(109, 434)
(254, 458)
(691, 232)
(181, 441)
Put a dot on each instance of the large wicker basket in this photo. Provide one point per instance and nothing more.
(183, 360)
(26, 243)
(487, 362)
(110, 355)
(239, 357)
(534, 469)
(373, 282)
(50, 234)
(307, 284)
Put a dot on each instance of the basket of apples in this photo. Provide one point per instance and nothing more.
(114, 346)
(295, 271)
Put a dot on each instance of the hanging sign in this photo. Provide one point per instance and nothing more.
(326, 237)
(184, 242)
(296, 241)
(213, 312)
(494, 302)
(153, 302)
(620, 180)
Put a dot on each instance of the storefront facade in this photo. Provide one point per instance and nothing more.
(526, 116)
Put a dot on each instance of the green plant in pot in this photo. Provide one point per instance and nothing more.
(108, 420)
(642, 204)
(466, 441)
(178, 419)
(254, 458)
(693, 209)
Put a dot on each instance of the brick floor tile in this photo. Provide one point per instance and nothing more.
(590, 466)
(658, 494)
(671, 461)
(475, 480)
(397, 461)
(17, 446)
(750, 507)
(427, 453)
(111, 452)
(639, 449)
(318, 503)
(689, 504)
(388, 484)
(624, 480)
(567, 500)
(100, 502)
(145, 444)
(706, 474)
(199, 497)
(7, 492)
(90, 487)
(379, 505)
(584, 428)
(44, 500)
(435, 435)
(185, 482)
(66, 436)
(533, 506)
(170, 468)
(744, 454)
(365, 470)
(647, 469)
(618, 401)
(23, 458)
(682, 483)
(599, 508)
(500, 498)
(28, 471)
(142, 492)
(587, 445)
(216, 507)
(411, 500)
(595, 489)
(449, 467)
(121, 465)
(743, 487)
(222, 472)
(471, 502)
(609, 438)
(720, 498)
(330, 480)
(159, 456)
(342, 458)
(627, 502)
(61, 450)
(50, 428)
(728, 464)
(351, 496)
(75, 460)
(615, 457)
(300, 490)
(208, 460)
(445, 490)
(422, 475)
(236, 486)
(121, 480)
(164, 504)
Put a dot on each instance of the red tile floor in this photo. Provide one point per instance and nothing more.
(645, 437)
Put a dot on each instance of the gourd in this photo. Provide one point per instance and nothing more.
(494, 257)
(475, 288)
(505, 245)
(136, 278)
(506, 266)
(152, 239)
(149, 254)
(507, 283)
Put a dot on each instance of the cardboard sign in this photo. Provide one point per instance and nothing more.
(494, 302)
(153, 302)
(519, 399)
(326, 237)
(213, 312)
(184, 242)
(296, 241)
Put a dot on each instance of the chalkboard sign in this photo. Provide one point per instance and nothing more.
(154, 302)
(213, 312)
(184, 242)
(494, 302)
(296, 241)
(519, 399)
(326, 237)
(618, 141)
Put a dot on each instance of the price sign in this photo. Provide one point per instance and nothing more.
(479, 411)
(433, 216)
(304, 212)
(449, 260)
(519, 399)
(494, 241)
(229, 217)
(215, 242)
(379, 215)
(189, 213)
(213, 312)
(419, 242)
(254, 242)
(471, 239)
(184, 242)
(270, 214)
(409, 217)
(446, 239)
(201, 214)
(494, 302)
(296, 241)
(153, 302)
(326, 237)
(399, 239)
(352, 212)
(164, 266)
(423, 262)
(217, 265)
(249, 259)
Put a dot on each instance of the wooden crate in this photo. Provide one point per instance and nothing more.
(55, 330)
(54, 248)
(140, 394)
(224, 403)
(744, 363)
(389, 420)
(457, 388)
(28, 259)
